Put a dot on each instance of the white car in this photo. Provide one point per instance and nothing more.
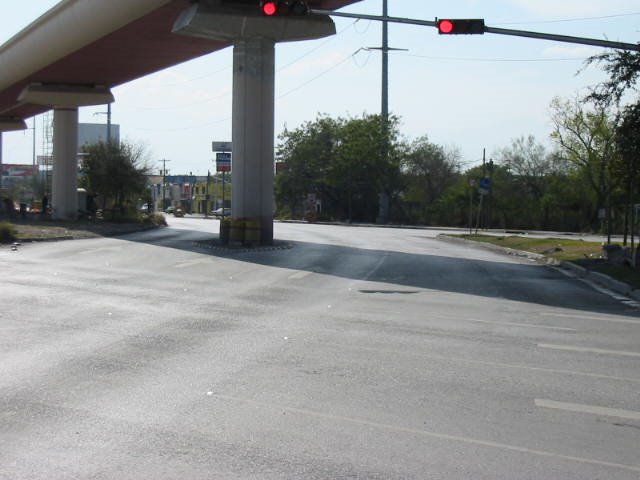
(221, 212)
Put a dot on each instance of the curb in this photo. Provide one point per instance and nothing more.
(581, 272)
(231, 250)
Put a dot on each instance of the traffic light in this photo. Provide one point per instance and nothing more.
(271, 8)
(460, 26)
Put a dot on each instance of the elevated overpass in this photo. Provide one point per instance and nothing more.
(74, 54)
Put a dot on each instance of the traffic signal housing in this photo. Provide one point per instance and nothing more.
(272, 8)
(460, 26)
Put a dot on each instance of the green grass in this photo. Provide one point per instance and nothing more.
(558, 248)
(580, 252)
(8, 232)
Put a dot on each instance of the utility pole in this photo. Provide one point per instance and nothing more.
(207, 196)
(34, 141)
(108, 123)
(383, 202)
(164, 183)
(385, 74)
(108, 114)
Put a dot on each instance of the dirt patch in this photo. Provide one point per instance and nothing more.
(43, 230)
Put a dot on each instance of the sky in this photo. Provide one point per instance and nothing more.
(470, 92)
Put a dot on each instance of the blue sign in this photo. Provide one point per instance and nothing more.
(485, 186)
(223, 162)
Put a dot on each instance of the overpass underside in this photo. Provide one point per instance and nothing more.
(74, 54)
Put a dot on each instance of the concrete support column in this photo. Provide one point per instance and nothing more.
(0, 160)
(64, 201)
(252, 133)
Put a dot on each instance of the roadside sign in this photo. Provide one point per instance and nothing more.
(221, 146)
(485, 186)
(223, 162)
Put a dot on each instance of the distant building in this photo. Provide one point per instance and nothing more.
(90, 133)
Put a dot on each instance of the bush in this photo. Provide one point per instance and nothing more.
(7, 233)
(156, 219)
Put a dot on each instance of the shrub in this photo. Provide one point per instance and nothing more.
(156, 219)
(7, 233)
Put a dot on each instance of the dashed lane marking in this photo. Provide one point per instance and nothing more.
(428, 434)
(600, 351)
(590, 317)
(485, 363)
(591, 409)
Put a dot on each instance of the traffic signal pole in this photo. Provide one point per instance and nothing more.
(498, 31)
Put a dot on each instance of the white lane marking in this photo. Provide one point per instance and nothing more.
(426, 433)
(378, 264)
(592, 409)
(92, 251)
(495, 322)
(590, 317)
(486, 363)
(571, 348)
(299, 275)
(193, 263)
(513, 324)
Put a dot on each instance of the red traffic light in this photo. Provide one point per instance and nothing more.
(272, 8)
(269, 8)
(460, 26)
(445, 26)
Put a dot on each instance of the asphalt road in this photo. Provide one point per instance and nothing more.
(347, 353)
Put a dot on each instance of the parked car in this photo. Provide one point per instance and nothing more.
(220, 212)
(169, 210)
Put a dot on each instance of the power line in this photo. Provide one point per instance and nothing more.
(218, 97)
(491, 60)
(195, 79)
(577, 19)
(318, 47)
(319, 75)
(177, 107)
(192, 127)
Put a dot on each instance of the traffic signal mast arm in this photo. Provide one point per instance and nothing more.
(499, 31)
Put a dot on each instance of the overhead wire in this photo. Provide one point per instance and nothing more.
(576, 19)
(218, 97)
(491, 60)
(317, 47)
(333, 67)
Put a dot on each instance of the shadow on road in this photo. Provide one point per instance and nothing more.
(518, 282)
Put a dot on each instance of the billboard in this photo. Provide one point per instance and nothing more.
(96, 132)
(18, 171)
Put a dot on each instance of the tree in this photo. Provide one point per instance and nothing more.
(628, 143)
(340, 160)
(429, 170)
(623, 68)
(116, 172)
(532, 169)
(306, 153)
(587, 141)
(360, 170)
